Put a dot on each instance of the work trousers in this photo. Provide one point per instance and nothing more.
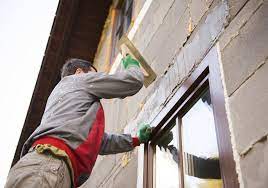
(36, 170)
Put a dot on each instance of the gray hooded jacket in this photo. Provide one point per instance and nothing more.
(74, 116)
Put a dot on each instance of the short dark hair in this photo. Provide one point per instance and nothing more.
(72, 64)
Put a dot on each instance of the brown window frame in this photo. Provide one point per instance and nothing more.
(123, 17)
(207, 75)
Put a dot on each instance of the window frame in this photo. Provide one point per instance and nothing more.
(122, 9)
(207, 75)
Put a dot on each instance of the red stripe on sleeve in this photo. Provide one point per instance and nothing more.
(135, 141)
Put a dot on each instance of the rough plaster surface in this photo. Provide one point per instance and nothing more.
(103, 167)
(248, 110)
(244, 15)
(197, 9)
(254, 166)
(247, 47)
(127, 177)
(174, 31)
(151, 21)
(116, 175)
(235, 6)
(111, 107)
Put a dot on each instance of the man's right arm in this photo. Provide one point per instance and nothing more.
(119, 85)
(118, 143)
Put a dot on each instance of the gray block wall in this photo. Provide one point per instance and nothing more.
(174, 37)
(244, 55)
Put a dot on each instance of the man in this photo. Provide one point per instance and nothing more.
(65, 145)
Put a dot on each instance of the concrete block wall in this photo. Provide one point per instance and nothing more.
(174, 36)
(115, 171)
(244, 56)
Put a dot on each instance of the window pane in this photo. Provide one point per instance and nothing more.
(199, 145)
(167, 165)
(128, 15)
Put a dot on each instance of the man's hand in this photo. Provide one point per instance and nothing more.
(164, 140)
(144, 133)
(128, 61)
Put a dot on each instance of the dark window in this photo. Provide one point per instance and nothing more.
(123, 21)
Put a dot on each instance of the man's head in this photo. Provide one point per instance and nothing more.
(76, 66)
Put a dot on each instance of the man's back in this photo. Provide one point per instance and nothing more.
(72, 126)
(72, 106)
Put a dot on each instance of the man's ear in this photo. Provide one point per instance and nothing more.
(79, 71)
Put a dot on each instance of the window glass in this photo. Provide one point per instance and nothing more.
(199, 144)
(123, 22)
(167, 163)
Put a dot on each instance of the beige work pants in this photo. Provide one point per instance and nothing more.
(36, 170)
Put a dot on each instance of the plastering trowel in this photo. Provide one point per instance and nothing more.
(127, 47)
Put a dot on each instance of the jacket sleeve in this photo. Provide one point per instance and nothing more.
(118, 85)
(116, 143)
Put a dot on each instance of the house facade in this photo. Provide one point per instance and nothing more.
(177, 38)
(211, 91)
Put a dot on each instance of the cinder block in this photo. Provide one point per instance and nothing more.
(111, 110)
(108, 184)
(134, 103)
(170, 36)
(180, 65)
(101, 170)
(235, 6)
(122, 114)
(119, 112)
(166, 82)
(195, 50)
(197, 10)
(118, 158)
(155, 103)
(248, 109)
(131, 127)
(246, 49)
(151, 21)
(127, 177)
(173, 78)
(232, 30)
(148, 108)
(254, 166)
